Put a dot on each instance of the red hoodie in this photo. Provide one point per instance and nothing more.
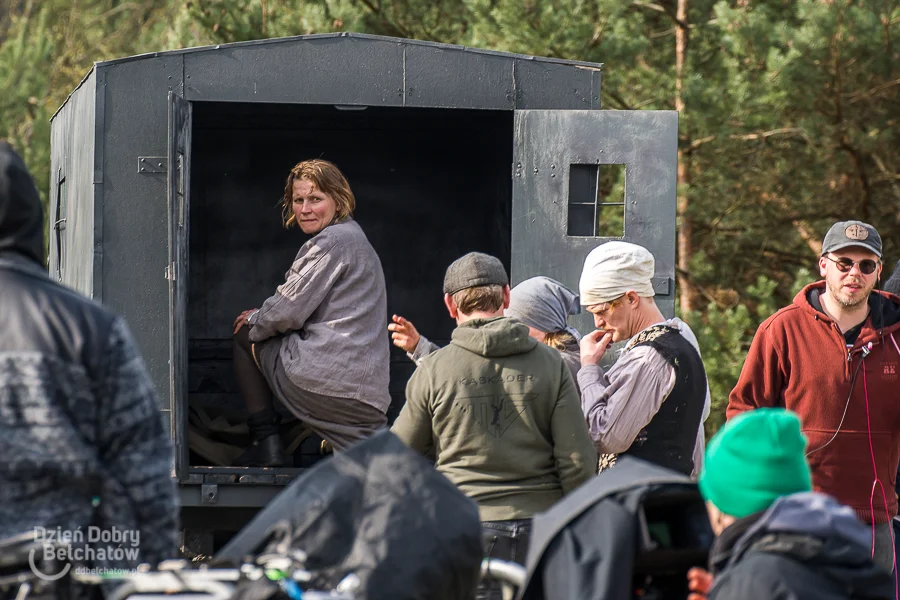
(799, 360)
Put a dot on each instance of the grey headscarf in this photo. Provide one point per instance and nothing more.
(544, 304)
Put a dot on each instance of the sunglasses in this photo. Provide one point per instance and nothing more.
(866, 266)
(606, 306)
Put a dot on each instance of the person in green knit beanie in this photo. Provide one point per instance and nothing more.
(776, 539)
(755, 459)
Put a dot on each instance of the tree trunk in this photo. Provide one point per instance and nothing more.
(686, 231)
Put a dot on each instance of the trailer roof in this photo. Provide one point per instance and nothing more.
(338, 37)
(350, 35)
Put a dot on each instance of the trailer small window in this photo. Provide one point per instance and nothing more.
(596, 201)
(59, 226)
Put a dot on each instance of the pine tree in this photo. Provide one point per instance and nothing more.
(47, 47)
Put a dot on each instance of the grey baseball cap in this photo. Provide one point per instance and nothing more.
(473, 270)
(846, 234)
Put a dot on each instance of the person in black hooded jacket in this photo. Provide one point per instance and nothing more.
(83, 444)
(892, 285)
(777, 540)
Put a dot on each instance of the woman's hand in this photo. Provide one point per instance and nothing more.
(699, 582)
(404, 334)
(242, 319)
(594, 345)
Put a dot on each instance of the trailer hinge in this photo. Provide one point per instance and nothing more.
(170, 272)
(209, 493)
(153, 164)
(662, 286)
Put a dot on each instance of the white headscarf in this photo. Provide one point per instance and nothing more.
(614, 268)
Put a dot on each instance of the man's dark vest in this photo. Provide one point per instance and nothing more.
(669, 439)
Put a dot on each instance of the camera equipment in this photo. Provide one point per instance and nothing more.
(632, 532)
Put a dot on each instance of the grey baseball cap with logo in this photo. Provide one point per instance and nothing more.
(847, 234)
(474, 270)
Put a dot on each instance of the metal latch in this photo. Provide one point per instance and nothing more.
(170, 272)
(153, 164)
(209, 493)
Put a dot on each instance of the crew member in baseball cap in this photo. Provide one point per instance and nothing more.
(833, 358)
(849, 234)
(498, 411)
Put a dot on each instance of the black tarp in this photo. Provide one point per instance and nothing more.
(632, 531)
(378, 510)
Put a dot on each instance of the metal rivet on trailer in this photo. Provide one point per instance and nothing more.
(209, 493)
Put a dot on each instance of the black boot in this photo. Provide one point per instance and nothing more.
(266, 448)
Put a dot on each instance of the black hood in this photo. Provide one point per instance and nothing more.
(892, 285)
(884, 307)
(21, 215)
(812, 529)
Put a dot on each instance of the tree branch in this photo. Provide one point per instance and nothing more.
(663, 9)
(859, 163)
(599, 28)
(697, 143)
(764, 135)
(893, 178)
(836, 65)
(618, 99)
(686, 278)
(879, 88)
(392, 28)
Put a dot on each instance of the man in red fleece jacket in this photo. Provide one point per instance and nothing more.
(833, 358)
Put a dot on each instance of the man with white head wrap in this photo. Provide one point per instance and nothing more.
(653, 401)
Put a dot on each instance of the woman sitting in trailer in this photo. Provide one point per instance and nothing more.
(318, 344)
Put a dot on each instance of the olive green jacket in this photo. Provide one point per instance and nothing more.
(499, 414)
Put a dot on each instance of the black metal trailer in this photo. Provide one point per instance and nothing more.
(167, 169)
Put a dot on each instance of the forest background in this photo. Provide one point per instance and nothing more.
(789, 111)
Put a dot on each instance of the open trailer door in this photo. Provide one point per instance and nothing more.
(178, 192)
(583, 177)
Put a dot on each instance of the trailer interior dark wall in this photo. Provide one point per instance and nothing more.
(431, 185)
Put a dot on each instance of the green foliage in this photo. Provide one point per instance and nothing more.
(724, 335)
(810, 137)
(24, 114)
(47, 47)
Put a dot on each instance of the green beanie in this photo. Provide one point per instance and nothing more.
(755, 458)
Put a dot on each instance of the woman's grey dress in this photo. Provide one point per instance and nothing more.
(321, 340)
